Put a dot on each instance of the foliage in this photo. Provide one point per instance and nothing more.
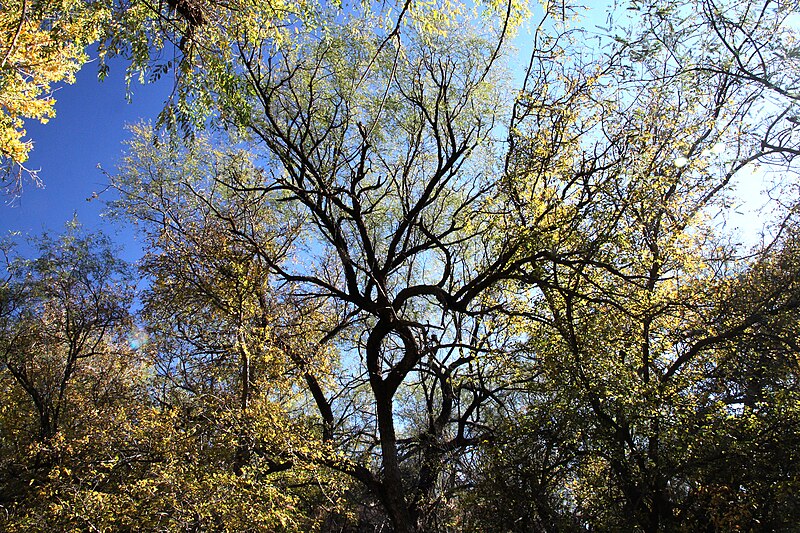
(43, 43)
(336, 111)
(67, 368)
(386, 289)
(634, 319)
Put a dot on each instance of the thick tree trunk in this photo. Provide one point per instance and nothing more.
(394, 497)
(47, 429)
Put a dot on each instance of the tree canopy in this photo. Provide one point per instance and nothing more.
(391, 283)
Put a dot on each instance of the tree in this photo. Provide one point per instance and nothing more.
(631, 318)
(67, 368)
(60, 311)
(381, 146)
(429, 262)
(42, 44)
(385, 287)
(226, 343)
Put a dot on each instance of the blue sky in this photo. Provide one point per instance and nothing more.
(87, 131)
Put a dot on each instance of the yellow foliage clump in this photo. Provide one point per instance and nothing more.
(41, 44)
